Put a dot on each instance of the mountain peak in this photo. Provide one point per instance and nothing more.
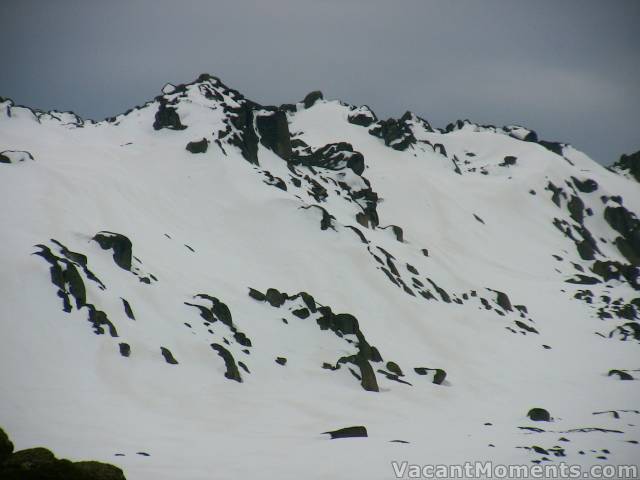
(258, 278)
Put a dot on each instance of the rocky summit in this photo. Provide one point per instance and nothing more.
(206, 287)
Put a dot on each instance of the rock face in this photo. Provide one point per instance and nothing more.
(121, 246)
(627, 224)
(334, 156)
(403, 244)
(629, 164)
(273, 129)
(167, 117)
(395, 133)
(311, 98)
(40, 464)
(362, 116)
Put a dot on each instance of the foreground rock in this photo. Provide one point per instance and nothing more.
(41, 464)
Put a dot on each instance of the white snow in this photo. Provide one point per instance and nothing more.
(67, 389)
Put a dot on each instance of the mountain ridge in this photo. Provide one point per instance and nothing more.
(204, 270)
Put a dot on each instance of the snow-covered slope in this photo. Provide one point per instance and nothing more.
(200, 287)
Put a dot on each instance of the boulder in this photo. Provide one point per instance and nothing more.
(199, 146)
(312, 98)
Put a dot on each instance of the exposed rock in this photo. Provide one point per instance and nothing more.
(232, 372)
(245, 137)
(622, 375)
(127, 309)
(630, 163)
(502, 299)
(40, 464)
(312, 98)
(539, 415)
(275, 298)
(439, 375)
(6, 446)
(98, 471)
(395, 133)
(121, 246)
(301, 313)
(125, 349)
(508, 161)
(625, 222)
(199, 146)
(334, 156)
(394, 368)
(255, 294)
(348, 432)
(167, 117)
(168, 356)
(613, 270)
(554, 147)
(274, 132)
(397, 232)
(14, 156)
(585, 186)
(362, 116)
(576, 208)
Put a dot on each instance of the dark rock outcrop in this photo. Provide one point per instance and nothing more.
(334, 156)
(311, 98)
(585, 186)
(273, 129)
(41, 464)
(168, 356)
(14, 156)
(539, 415)
(198, 146)
(629, 163)
(6, 446)
(348, 432)
(167, 117)
(232, 372)
(363, 117)
(439, 375)
(395, 133)
(628, 226)
(121, 246)
(621, 374)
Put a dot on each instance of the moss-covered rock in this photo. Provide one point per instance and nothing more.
(41, 464)
(393, 367)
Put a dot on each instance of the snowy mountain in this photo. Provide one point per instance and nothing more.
(200, 287)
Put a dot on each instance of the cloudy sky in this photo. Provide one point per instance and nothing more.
(568, 69)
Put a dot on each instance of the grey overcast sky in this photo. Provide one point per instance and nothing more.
(568, 69)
